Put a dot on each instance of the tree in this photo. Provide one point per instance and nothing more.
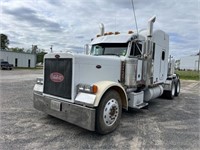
(17, 49)
(4, 42)
(40, 55)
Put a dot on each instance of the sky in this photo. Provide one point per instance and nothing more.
(70, 24)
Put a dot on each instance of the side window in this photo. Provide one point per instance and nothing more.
(97, 50)
(136, 49)
(163, 55)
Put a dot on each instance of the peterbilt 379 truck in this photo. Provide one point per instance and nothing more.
(119, 71)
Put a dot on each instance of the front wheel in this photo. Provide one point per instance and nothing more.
(108, 112)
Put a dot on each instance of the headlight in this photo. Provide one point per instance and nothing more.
(39, 81)
(87, 88)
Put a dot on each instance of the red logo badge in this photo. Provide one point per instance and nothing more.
(56, 77)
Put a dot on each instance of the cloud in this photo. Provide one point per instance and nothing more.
(71, 24)
(55, 2)
(76, 48)
(30, 16)
(14, 42)
(175, 37)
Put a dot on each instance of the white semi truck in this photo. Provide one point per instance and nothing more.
(119, 71)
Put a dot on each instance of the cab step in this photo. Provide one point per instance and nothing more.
(142, 105)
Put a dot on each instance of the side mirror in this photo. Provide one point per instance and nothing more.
(87, 49)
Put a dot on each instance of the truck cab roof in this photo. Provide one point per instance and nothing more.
(125, 37)
(119, 38)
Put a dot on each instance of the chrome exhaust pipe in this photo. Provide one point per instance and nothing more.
(150, 26)
(101, 26)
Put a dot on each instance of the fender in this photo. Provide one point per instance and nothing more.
(104, 86)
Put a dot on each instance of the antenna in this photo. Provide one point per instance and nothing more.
(134, 16)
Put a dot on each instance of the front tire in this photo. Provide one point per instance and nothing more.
(108, 112)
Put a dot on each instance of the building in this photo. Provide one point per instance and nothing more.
(19, 59)
(189, 63)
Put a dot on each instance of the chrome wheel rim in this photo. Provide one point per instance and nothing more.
(111, 112)
(173, 89)
(178, 87)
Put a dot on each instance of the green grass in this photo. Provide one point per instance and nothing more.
(188, 75)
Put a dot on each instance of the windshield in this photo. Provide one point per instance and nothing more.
(118, 49)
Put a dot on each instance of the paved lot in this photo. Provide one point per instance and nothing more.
(166, 124)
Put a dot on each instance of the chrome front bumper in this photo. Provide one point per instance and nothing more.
(72, 113)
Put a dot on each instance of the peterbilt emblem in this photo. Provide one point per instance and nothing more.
(56, 77)
(98, 66)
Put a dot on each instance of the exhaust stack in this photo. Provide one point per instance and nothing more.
(149, 51)
(101, 26)
(150, 26)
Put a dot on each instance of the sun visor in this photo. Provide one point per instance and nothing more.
(111, 39)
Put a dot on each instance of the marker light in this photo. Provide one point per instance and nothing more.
(117, 33)
(110, 33)
(130, 32)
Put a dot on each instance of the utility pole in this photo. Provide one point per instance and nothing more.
(199, 61)
(51, 48)
(34, 49)
(170, 60)
(171, 66)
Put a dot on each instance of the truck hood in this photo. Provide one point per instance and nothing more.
(74, 69)
(91, 69)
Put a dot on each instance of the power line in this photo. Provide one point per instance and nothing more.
(134, 16)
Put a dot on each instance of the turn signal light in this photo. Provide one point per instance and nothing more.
(94, 89)
(87, 88)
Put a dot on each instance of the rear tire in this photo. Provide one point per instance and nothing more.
(108, 112)
(177, 87)
(170, 94)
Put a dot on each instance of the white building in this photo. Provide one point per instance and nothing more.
(189, 63)
(18, 59)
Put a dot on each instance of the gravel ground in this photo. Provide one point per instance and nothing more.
(166, 124)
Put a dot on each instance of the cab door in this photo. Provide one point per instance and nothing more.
(136, 53)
